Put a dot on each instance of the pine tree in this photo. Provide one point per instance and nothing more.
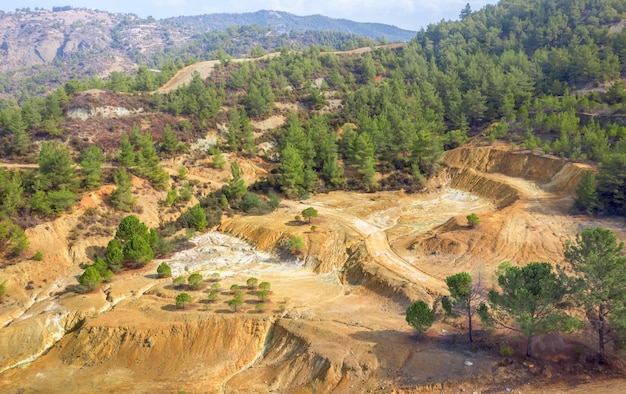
(122, 197)
(599, 266)
(126, 156)
(248, 144)
(586, 195)
(236, 188)
(218, 159)
(91, 165)
(170, 143)
(56, 168)
(291, 171)
(364, 156)
(234, 130)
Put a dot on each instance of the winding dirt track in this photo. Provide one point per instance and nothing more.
(204, 69)
(379, 248)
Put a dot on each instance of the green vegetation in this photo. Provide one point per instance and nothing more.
(296, 245)
(235, 303)
(263, 295)
(252, 283)
(309, 213)
(599, 267)
(182, 300)
(164, 270)
(3, 288)
(38, 256)
(465, 296)
(420, 316)
(473, 220)
(195, 281)
(90, 279)
(532, 302)
(178, 281)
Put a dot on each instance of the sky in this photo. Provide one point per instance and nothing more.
(407, 14)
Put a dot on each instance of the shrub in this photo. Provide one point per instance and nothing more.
(164, 270)
(263, 295)
(182, 172)
(234, 288)
(265, 286)
(420, 316)
(235, 303)
(183, 299)
(194, 218)
(506, 350)
(309, 213)
(138, 250)
(90, 279)
(178, 281)
(473, 220)
(260, 307)
(3, 288)
(296, 245)
(213, 295)
(195, 281)
(38, 256)
(252, 282)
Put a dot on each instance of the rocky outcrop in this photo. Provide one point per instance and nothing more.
(549, 172)
(106, 112)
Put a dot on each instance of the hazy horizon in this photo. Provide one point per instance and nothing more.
(406, 14)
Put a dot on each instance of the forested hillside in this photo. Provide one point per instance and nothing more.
(43, 49)
(546, 75)
(284, 22)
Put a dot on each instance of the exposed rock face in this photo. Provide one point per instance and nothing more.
(101, 112)
(34, 38)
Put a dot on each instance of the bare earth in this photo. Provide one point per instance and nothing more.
(335, 318)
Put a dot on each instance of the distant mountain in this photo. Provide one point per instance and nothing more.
(42, 49)
(284, 22)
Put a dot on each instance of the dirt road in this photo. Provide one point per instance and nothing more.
(204, 69)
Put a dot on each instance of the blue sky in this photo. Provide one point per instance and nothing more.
(408, 14)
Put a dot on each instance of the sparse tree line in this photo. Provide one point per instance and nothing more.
(538, 299)
(236, 293)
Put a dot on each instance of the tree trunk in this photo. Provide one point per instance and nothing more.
(528, 347)
(469, 316)
(601, 358)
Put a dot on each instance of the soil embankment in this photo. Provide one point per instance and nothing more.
(335, 318)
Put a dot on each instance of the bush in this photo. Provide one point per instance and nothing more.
(309, 213)
(137, 250)
(164, 270)
(38, 256)
(195, 281)
(178, 281)
(3, 288)
(296, 245)
(183, 299)
(213, 295)
(90, 279)
(252, 282)
(194, 218)
(263, 295)
(265, 286)
(235, 303)
(473, 220)
(506, 350)
(420, 316)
